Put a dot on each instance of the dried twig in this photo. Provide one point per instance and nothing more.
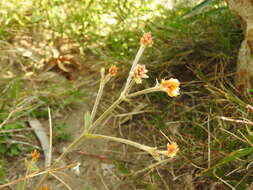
(50, 138)
(236, 120)
(59, 179)
(36, 174)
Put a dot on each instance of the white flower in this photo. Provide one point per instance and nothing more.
(77, 169)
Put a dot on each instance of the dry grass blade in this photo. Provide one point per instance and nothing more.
(236, 120)
(36, 174)
(50, 139)
(42, 136)
(59, 179)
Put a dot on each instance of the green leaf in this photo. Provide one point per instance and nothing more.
(15, 89)
(2, 171)
(21, 185)
(14, 150)
(198, 7)
(234, 155)
(87, 120)
(122, 167)
(16, 125)
(159, 123)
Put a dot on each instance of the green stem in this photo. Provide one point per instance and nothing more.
(98, 98)
(151, 150)
(107, 112)
(131, 73)
(145, 91)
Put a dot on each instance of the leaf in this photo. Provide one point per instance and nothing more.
(21, 185)
(234, 155)
(87, 120)
(62, 67)
(159, 122)
(31, 166)
(15, 89)
(122, 167)
(40, 132)
(198, 7)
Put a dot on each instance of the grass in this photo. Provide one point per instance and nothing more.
(200, 51)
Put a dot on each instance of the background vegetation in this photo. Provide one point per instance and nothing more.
(199, 49)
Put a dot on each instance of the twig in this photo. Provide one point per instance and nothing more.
(131, 73)
(250, 107)
(145, 91)
(8, 118)
(103, 81)
(19, 107)
(222, 180)
(50, 139)
(236, 120)
(36, 174)
(150, 167)
(14, 130)
(233, 135)
(209, 142)
(59, 179)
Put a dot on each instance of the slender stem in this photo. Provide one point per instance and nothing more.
(130, 86)
(131, 73)
(107, 112)
(145, 91)
(50, 139)
(74, 143)
(36, 174)
(148, 149)
(42, 180)
(98, 98)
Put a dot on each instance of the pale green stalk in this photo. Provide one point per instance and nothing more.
(145, 91)
(107, 112)
(99, 95)
(131, 73)
(152, 150)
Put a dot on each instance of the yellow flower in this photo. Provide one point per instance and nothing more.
(113, 70)
(172, 149)
(139, 73)
(146, 39)
(35, 155)
(171, 87)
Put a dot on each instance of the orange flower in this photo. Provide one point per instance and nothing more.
(172, 149)
(45, 188)
(35, 155)
(113, 70)
(139, 73)
(170, 86)
(146, 39)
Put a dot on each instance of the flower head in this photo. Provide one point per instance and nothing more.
(139, 73)
(146, 39)
(170, 86)
(113, 70)
(45, 188)
(172, 149)
(35, 155)
(77, 169)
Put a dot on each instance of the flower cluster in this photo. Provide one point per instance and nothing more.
(45, 188)
(172, 149)
(146, 39)
(171, 87)
(140, 73)
(113, 70)
(35, 155)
